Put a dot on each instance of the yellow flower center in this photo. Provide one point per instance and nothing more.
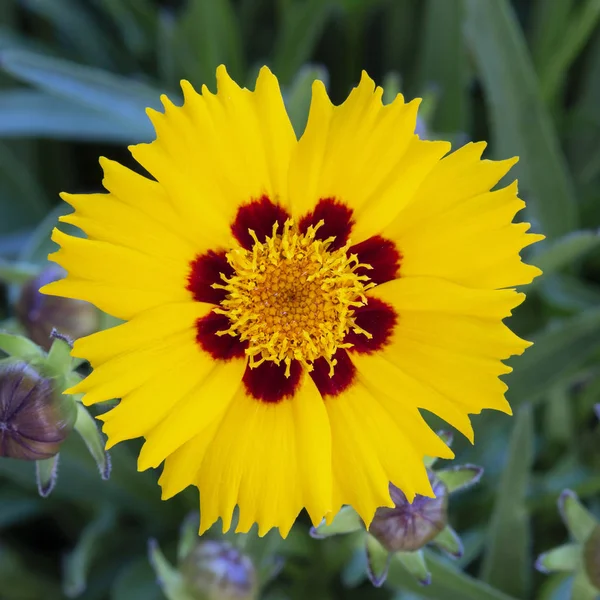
(291, 298)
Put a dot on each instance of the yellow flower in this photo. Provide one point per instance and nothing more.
(292, 305)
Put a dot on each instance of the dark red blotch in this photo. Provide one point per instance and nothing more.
(260, 216)
(382, 254)
(344, 374)
(268, 383)
(220, 347)
(379, 319)
(205, 270)
(338, 221)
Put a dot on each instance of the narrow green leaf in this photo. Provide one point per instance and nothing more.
(442, 63)
(301, 26)
(79, 27)
(169, 578)
(17, 272)
(447, 582)
(556, 352)
(582, 588)
(77, 564)
(519, 120)
(298, 95)
(575, 34)
(94, 88)
(558, 415)
(548, 23)
(570, 293)
(346, 521)
(563, 558)
(579, 520)
(208, 35)
(46, 472)
(506, 562)
(30, 113)
(564, 251)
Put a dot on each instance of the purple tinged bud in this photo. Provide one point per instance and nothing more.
(40, 314)
(34, 419)
(408, 527)
(218, 571)
(591, 557)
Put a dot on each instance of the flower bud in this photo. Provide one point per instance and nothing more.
(40, 314)
(218, 571)
(408, 527)
(34, 418)
(591, 557)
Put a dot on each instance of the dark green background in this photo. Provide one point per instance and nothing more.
(75, 77)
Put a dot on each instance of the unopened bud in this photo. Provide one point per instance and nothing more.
(40, 314)
(409, 526)
(218, 571)
(591, 557)
(34, 418)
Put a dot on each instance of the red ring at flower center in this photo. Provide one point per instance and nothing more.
(271, 295)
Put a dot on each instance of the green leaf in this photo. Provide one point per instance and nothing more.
(137, 581)
(570, 293)
(17, 507)
(582, 588)
(563, 558)
(578, 520)
(346, 521)
(555, 354)
(548, 24)
(77, 564)
(574, 35)
(447, 582)
(519, 120)
(86, 427)
(208, 35)
(17, 272)
(378, 561)
(46, 472)
(564, 251)
(507, 557)
(29, 113)
(97, 89)
(442, 63)
(80, 28)
(449, 541)
(460, 477)
(302, 23)
(169, 578)
(298, 95)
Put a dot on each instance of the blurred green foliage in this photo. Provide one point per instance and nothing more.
(75, 78)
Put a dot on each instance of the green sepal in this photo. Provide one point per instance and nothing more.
(579, 521)
(447, 437)
(20, 347)
(91, 435)
(46, 473)
(169, 578)
(449, 541)
(346, 521)
(414, 563)
(59, 361)
(378, 561)
(460, 477)
(561, 558)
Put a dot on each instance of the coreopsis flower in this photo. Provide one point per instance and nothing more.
(292, 305)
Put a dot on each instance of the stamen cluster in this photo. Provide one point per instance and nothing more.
(292, 298)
